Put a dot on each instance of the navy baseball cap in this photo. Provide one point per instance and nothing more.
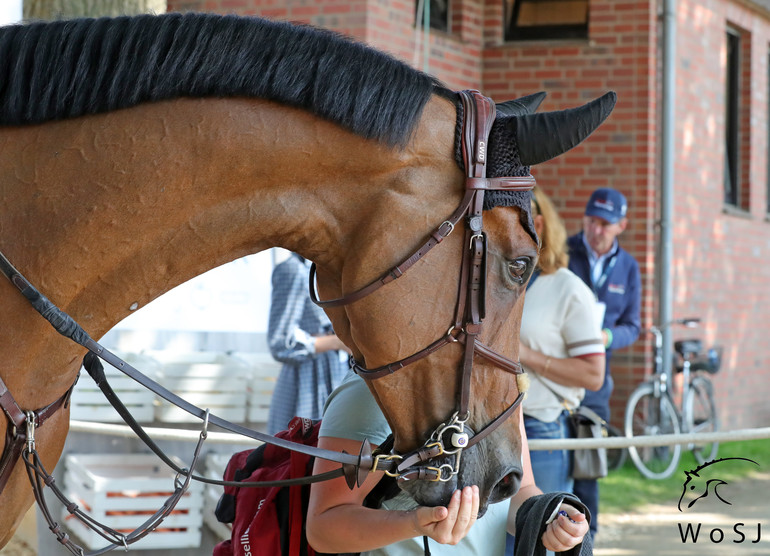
(608, 204)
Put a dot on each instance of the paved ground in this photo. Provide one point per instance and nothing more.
(652, 530)
(655, 529)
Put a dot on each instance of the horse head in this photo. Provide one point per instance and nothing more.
(390, 329)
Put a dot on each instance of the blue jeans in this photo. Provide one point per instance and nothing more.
(588, 489)
(588, 492)
(552, 468)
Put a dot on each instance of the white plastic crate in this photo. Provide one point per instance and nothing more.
(214, 469)
(264, 374)
(122, 491)
(89, 404)
(212, 380)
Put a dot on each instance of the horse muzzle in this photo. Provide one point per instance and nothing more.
(498, 478)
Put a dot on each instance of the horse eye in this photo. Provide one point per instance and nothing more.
(519, 268)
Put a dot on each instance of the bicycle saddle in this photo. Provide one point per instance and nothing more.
(710, 362)
(688, 348)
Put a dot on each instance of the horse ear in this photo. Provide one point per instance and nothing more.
(541, 137)
(520, 106)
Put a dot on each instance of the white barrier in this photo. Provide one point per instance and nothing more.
(653, 440)
(534, 444)
(157, 433)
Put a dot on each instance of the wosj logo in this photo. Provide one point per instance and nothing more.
(706, 490)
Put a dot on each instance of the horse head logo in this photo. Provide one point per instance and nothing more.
(697, 482)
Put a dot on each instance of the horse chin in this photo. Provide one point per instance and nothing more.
(430, 493)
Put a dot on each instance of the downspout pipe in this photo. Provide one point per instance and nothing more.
(668, 125)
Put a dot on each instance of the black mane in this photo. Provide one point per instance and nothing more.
(67, 69)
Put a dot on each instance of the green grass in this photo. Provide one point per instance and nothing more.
(626, 489)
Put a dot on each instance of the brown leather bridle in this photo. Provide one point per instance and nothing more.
(448, 438)
(20, 432)
(479, 115)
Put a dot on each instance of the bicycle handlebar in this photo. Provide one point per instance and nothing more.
(657, 331)
(689, 322)
(709, 362)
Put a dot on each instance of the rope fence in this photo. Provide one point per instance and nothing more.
(612, 442)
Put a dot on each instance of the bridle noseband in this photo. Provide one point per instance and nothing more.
(479, 112)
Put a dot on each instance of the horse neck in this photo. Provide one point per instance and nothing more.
(119, 208)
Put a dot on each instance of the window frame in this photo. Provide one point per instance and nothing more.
(514, 32)
(446, 20)
(732, 117)
(767, 138)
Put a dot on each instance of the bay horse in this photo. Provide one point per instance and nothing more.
(139, 152)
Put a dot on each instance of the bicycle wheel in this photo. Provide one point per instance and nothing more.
(647, 415)
(700, 414)
(616, 457)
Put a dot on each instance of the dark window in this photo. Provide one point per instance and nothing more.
(732, 117)
(439, 14)
(546, 19)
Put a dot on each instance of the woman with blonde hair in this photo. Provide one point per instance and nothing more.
(561, 346)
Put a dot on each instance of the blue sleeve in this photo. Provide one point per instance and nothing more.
(288, 343)
(627, 327)
(352, 413)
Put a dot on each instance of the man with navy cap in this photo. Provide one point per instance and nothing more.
(613, 275)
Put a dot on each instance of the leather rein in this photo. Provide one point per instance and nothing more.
(479, 115)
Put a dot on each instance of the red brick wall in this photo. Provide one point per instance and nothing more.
(453, 57)
(720, 269)
(619, 56)
(346, 16)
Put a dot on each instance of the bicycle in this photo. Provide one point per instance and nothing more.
(616, 457)
(651, 408)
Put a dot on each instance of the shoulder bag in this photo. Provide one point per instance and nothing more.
(586, 423)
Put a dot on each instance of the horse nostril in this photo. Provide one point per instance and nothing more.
(506, 487)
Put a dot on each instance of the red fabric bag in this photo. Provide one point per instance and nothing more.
(268, 521)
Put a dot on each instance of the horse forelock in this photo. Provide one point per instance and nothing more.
(67, 69)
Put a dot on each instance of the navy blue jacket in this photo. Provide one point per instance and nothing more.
(621, 293)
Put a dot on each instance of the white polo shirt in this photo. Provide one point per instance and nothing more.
(559, 320)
